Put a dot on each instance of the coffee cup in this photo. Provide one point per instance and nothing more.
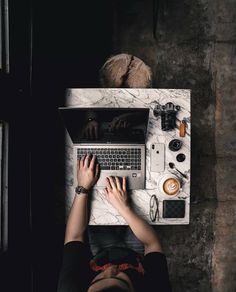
(169, 185)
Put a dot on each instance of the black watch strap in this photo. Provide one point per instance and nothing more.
(80, 189)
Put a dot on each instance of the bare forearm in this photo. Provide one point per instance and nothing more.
(78, 219)
(142, 230)
(87, 175)
(116, 194)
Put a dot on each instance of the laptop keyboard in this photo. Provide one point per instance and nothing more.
(115, 158)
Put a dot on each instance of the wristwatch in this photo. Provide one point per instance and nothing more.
(80, 189)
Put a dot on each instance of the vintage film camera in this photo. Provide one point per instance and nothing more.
(168, 115)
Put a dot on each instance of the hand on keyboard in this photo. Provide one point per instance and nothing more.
(87, 171)
(116, 193)
(115, 158)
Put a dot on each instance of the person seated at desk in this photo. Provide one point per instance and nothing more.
(115, 268)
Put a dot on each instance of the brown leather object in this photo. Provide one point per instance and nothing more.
(182, 129)
(124, 70)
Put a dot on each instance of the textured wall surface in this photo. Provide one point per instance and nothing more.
(194, 46)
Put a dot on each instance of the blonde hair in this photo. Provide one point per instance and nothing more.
(124, 70)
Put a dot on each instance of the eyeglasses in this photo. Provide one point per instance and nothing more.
(153, 211)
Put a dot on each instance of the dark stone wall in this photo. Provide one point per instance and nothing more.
(191, 44)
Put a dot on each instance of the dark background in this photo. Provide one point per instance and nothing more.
(55, 45)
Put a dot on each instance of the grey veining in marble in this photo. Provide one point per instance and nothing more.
(102, 213)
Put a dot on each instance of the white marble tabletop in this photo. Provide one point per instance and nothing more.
(102, 213)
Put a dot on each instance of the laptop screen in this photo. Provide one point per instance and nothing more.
(106, 125)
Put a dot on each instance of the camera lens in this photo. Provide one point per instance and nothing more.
(156, 111)
(175, 145)
(168, 120)
(180, 157)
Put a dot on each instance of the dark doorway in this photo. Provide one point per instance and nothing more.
(71, 40)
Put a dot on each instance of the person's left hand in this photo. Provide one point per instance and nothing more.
(87, 171)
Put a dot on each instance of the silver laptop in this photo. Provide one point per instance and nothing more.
(115, 135)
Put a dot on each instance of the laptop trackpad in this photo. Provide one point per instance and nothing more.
(132, 180)
(102, 179)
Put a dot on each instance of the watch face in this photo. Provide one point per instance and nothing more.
(80, 189)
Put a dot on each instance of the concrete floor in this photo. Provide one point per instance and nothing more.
(195, 47)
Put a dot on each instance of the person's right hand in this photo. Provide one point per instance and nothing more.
(116, 193)
(87, 171)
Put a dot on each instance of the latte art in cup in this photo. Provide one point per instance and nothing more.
(171, 186)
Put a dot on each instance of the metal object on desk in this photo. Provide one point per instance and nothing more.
(153, 211)
(172, 166)
(168, 115)
(175, 145)
(180, 157)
